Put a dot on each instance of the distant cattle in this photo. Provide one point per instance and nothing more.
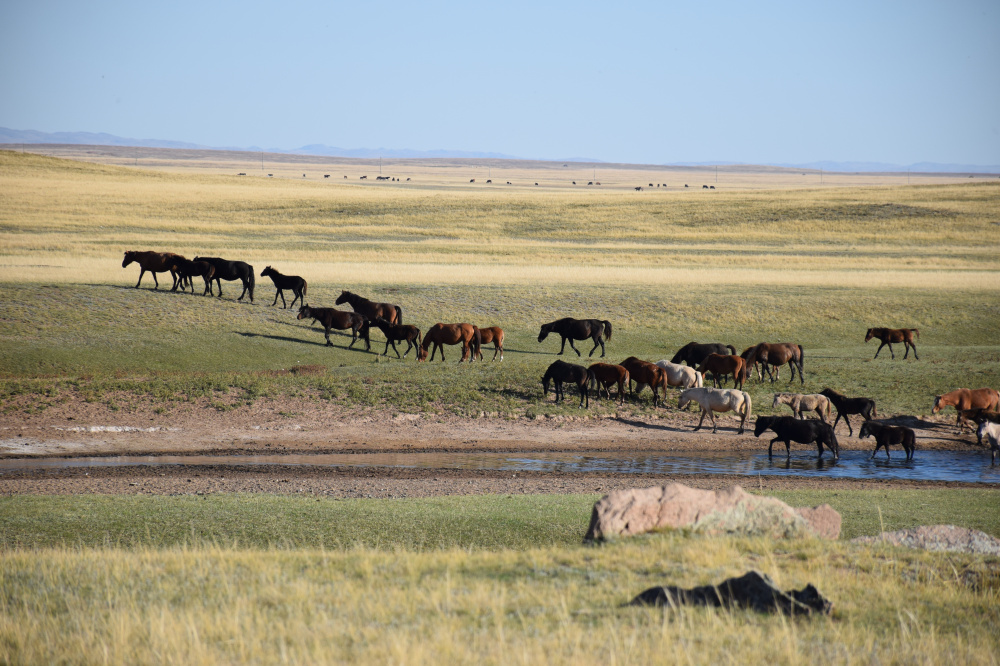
(574, 182)
(326, 175)
(597, 183)
(241, 174)
(407, 180)
(704, 187)
(472, 180)
(638, 189)
(345, 177)
(685, 184)
(489, 182)
(590, 183)
(381, 177)
(363, 178)
(650, 185)
(536, 184)
(509, 183)
(711, 187)
(270, 175)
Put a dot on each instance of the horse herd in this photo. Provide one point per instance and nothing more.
(686, 370)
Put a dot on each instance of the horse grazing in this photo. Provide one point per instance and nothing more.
(776, 355)
(694, 353)
(154, 262)
(561, 371)
(571, 329)
(398, 333)
(789, 429)
(451, 334)
(964, 399)
(644, 373)
(681, 375)
(886, 434)
(606, 375)
(722, 366)
(186, 270)
(846, 406)
(492, 334)
(717, 400)
(282, 282)
(232, 270)
(391, 313)
(890, 335)
(992, 433)
(340, 320)
(804, 402)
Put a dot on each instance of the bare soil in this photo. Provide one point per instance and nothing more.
(300, 426)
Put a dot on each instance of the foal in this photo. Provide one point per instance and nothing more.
(282, 282)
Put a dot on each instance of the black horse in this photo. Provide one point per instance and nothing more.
(846, 406)
(232, 270)
(398, 333)
(331, 318)
(561, 371)
(186, 270)
(281, 282)
(571, 329)
(789, 429)
(694, 353)
(886, 434)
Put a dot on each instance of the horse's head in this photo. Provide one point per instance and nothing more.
(937, 405)
(129, 258)
(866, 430)
(304, 312)
(422, 353)
(546, 329)
(777, 400)
(684, 400)
(344, 296)
(869, 335)
(762, 424)
(267, 271)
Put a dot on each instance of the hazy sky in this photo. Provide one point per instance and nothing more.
(650, 82)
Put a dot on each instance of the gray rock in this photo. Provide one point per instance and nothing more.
(752, 590)
(947, 538)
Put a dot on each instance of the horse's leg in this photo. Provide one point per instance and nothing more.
(562, 347)
(715, 424)
(880, 349)
(573, 347)
(409, 346)
(701, 420)
(847, 420)
(246, 286)
(276, 293)
(326, 332)
(770, 447)
(395, 350)
(218, 283)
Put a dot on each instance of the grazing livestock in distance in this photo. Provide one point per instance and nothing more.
(370, 309)
(340, 320)
(788, 429)
(492, 334)
(154, 262)
(775, 355)
(992, 433)
(886, 434)
(891, 335)
(804, 402)
(964, 399)
(717, 400)
(846, 406)
(578, 329)
(722, 366)
(606, 375)
(694, 353)
(681, 375)
(186, 270)
(229, 271)
(451, 334)
(398, 333)
(561, 371)
(644, 373)
(282, 282)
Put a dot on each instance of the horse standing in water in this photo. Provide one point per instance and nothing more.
(281, 282)
(154, 262)
(891, 335)
(571, 329)
(451, 334)
(232, 270)
(391, 313)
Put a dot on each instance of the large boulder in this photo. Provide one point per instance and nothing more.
(730, 511)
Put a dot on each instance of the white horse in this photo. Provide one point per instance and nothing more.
(717, 400)
(800, 402)
(682, 375)
(992, 433)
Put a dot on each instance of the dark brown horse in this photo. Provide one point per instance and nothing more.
(724, 365)
(340, 320)
(186, 270)
(154, 262)
(891, 335)
(571, 329)
(964, 399)
(846, 406)
(229, 271)
(370, 309)
(492, 334)
(775, 355)
(281, 282)
(607, 375)
(451, 334)
(561, 371)
(886, 434)
(644, 373)
(398, 333)
(693, 353)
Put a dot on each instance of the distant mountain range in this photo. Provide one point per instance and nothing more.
(10, 136)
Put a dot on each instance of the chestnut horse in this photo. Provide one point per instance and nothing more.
(776, 355)
(370, 309)
(645, 373)
(891, 335)
(607, 375)
(451, 334)
(154, 262)
(963, 399)
(492, 334)
(722, 366)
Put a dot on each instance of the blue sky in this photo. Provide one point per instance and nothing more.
(645, 82)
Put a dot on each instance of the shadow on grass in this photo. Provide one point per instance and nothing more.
(282, 338)
(651, 426)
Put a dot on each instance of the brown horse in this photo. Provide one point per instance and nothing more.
(451, 334)
(492, 334)
(154, 262)
(338, 319)
(370, 309)
(775, 355)
(964, 399)
(891, 335)
(724, 365)
(643, 373)
(607, 375)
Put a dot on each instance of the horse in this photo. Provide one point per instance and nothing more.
(606, 375)
(186, 270)
(804, 402)
(561, 371)
(992, 433)
(753, 364)
(776, 355)
(717, 400)
(340, 320)
(282, 282)
(154, 262)
(979, 416)
(681, 375)
(232, 270)
(451, 334)
(693, 353)
(890, 335)
(723, 365)
(397, 333)
(964, 399)
(846, 406)
(789, 429)
(644, 373)
(391, 313)
(571, 329)
(492, 334)
(886, 434)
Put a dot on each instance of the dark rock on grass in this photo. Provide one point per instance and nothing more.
(752, 590)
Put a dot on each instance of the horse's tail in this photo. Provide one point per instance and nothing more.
(251, 282)
(916, 331)
(699, 379)
(592, 380)
(399, 314)
(607, 329)
(732, 349)
(420, 338)
(748, 403)
(305, 286)
(802, 356)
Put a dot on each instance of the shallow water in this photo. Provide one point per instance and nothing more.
(926, 466)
